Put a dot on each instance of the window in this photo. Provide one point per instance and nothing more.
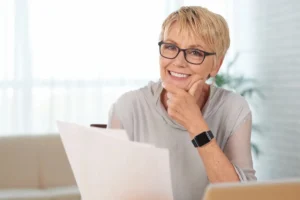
(69, 60)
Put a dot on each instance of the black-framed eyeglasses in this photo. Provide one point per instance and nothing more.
(192, 55)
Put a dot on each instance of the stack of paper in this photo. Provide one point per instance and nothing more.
(107, 166)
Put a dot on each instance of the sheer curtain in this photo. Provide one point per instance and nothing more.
(69, 60)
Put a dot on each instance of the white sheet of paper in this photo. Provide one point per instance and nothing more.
(118, 133)
(110, 167)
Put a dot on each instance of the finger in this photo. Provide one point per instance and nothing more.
(169, 95)
(174, 101)
(174, 114)
(173, 104)
(168, 102)
(196, 88)
(174, 98)
(172, 88)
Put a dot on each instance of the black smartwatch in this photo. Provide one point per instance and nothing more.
(202, 139)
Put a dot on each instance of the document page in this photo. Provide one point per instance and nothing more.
(110, 167)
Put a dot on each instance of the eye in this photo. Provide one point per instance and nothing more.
(171, 47)
(196, 52)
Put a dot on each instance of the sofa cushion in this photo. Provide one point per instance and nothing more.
(64, 193)
(60, 193)
(55, 170)
(19, 163)
(23, 194)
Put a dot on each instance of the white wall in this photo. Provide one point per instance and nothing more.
(268, 32)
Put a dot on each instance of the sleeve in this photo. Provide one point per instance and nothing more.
(120, 114)
(238, 150)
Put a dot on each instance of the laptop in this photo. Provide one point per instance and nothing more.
(264, 190)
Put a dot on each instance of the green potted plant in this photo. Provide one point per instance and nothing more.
(247, 87)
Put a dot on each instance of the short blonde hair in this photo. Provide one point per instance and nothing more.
(210, 27)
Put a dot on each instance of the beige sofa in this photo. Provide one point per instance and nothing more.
(35, 168)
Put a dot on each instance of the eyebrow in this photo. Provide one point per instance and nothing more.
(191, 46)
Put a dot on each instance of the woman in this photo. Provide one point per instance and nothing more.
(206, 129)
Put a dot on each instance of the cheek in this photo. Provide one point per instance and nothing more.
(163, 63)
(162, 68)
(201, 71)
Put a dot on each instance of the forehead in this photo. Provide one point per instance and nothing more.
(183, 36)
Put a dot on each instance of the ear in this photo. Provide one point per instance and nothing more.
(217, 65)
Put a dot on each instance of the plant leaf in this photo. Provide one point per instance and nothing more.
(221, 80)
(255, 149)
(231, 63)
(250, 91)
(256, 128)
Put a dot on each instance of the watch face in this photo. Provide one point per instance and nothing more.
(202, 138)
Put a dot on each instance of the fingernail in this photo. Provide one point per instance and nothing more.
(163, 84)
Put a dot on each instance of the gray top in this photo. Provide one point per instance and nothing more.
(142, 115)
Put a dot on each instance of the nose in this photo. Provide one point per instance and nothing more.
(180, 60)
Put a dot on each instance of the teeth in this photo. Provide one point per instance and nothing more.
(178, 75)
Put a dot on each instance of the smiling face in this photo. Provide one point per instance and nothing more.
(197, 28)
(178, 71)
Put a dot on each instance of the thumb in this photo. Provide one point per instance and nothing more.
(196, 87)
